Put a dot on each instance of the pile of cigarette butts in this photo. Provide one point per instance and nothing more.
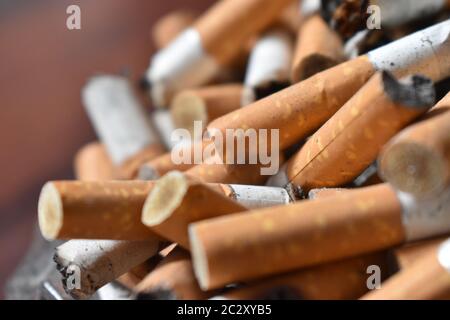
(360, 205)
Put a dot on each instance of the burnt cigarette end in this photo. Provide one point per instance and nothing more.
(269, 89)
(415, 91)
(50, 211)
(314, 64)
(146, 172)
(144, 84)
(165, 197)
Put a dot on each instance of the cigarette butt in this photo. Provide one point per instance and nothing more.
(270, 62)
(427, 279)
(130, 169)
(301, 108)
(341, 280)
(247, 246)
(215, 39)
(182, 157)
(208, 103)
(405, 256)
(118, 117)
(318, 48)
(351, 140)
(269, 241)
(176, 200)
(93, 163)
(87, 265)
(321, 193)
(93, 210)
(173, 278)
(417, 160)
(169, 26)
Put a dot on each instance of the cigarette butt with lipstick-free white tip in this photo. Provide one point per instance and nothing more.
(352, 139)
(208, 103)
(169, 26)
(270, 61)
(417, 160)
(302, 108)
(197, 54)
(318, 48)
(341, 280)
(176, 200)
(94, 210)
(428, 278)
(92, 162)
(87, 265)
(269, 241)
(172, 278)
(120, 121)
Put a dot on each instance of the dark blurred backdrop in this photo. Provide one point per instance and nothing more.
(42, 68)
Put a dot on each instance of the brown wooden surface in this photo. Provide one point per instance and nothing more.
(42, 68)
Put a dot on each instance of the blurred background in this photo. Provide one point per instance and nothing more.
(43, 66)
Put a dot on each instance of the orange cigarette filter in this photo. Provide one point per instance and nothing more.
(303, 107)
(341, 280)
(93, 163)
(222, 173)
(169, 26)
(427, 279)
(247, 246)
(406, 255)
(352, 139)
(417, 160)
(318, 48)
(208, 103)
(172, 278)
(93, 210)
(177, 200)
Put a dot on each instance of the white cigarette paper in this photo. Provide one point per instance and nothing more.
(425, 52)
(270, 60)
(254, 197)
(87, 265)
(117, 116)
(170, 69)
(425, 218)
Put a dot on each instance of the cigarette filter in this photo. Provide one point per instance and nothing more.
(173, 278)
(427, 279)
(406, 255)
(92, 162)
(208, 103)
(175, 201)
(118, 117)
(246, 246)
(351, 140)
(318, 48)
(301, 108)
(270, 61)
(222, 173)
(169, 26)
(417, 160)
(341, 280)
(215, 39)
(97, 262)
(93, 210)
